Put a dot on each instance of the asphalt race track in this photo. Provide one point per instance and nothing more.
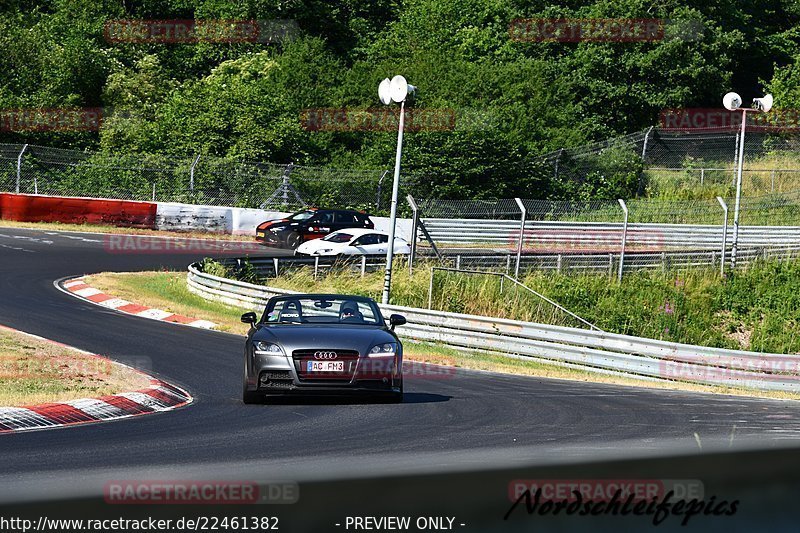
(466, 420)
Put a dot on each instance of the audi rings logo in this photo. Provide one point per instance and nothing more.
(324, 355)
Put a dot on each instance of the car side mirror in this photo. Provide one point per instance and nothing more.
(249, 318)
(396, 320)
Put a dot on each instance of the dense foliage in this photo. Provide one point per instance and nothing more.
(511, 98)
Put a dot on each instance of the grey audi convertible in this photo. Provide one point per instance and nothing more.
(324, 344)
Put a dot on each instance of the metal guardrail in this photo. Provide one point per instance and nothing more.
(558, 235)
(603, 262)
(572, 347)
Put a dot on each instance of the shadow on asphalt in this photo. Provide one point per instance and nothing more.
(408, 398)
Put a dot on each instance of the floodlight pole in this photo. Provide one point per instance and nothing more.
(387, 278)
(739, 164)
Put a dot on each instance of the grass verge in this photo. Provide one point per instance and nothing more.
(33, 371)
(167, 290)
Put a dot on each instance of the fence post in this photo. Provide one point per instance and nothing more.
(363, 265)
(191, 173)
(414, 230)
(19, 165)
(558, 158)
(285, 183)
(724, 234)
(154, 191)
(640, 188)
(524, 213)
(275, 263)
(378, 195)
(316, 266)
(702, 175)
(624, 237)
(772, 181)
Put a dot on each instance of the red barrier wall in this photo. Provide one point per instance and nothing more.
(33, 208)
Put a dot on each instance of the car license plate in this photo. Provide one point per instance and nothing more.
(325, 366)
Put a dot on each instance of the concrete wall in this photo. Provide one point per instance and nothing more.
(236, 220)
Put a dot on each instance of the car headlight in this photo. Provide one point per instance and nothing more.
(388, 348)
(268, 348)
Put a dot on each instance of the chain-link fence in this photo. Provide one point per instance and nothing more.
(199, 180)
(677, 164)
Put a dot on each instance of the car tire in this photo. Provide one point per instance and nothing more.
(249, 397)
(293, 240)
(393, 397)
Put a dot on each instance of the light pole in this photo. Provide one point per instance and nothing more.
(733, 102)
(395, 90)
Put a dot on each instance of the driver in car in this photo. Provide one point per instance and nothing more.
(348, 312)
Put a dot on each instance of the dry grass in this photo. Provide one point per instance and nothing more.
(165, 289)
(33, 371)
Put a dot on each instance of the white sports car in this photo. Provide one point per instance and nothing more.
(353, 241)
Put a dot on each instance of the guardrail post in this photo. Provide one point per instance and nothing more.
(724, 234)
(363, 265)
(19, 165)
(524, 213)
(430, 289)
(414, 230)
(624, 237)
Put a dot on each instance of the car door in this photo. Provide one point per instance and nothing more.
(370, 244)
(344, 220)
(320, 225)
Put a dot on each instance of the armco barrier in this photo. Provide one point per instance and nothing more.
(577, 348)
(35, 208)
(598, 236)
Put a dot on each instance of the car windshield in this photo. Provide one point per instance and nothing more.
(338, 237)
(302, 215)
(323, 310)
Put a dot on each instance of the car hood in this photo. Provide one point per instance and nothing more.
(333, 337)
(318, 244)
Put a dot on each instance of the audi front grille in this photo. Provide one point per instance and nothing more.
(349, 359)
